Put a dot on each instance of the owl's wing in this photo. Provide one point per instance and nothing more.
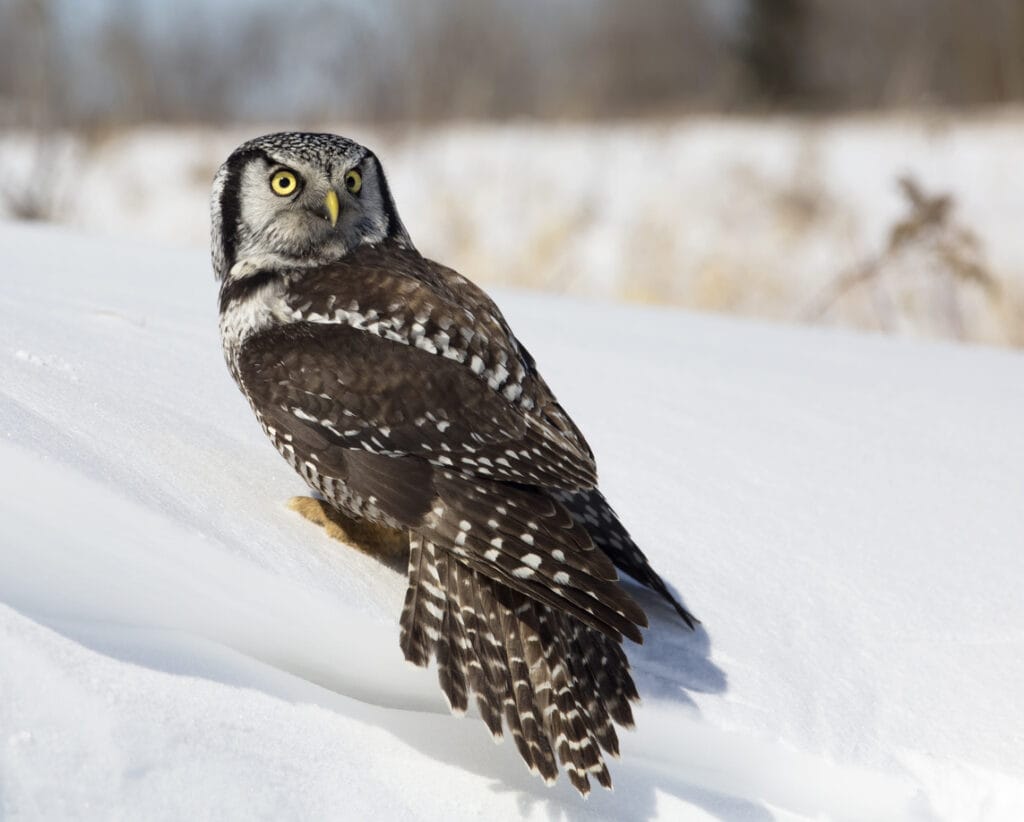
(370, 393)
(468, 293)
(418, 437)
(495, 395)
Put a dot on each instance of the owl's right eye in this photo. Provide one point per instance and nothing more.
(284, 183)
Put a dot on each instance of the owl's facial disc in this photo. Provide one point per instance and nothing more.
(304, 213)
(299, 200)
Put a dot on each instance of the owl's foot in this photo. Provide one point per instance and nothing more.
(377, 540)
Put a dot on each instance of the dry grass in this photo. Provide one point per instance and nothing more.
(792, 220)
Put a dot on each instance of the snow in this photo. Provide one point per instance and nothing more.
(842, 512)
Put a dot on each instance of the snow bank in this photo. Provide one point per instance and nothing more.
(843, 513)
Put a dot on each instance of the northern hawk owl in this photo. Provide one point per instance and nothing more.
(396, 389)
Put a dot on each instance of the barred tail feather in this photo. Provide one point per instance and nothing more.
(420, 624)
(555, 683)
(452, 644)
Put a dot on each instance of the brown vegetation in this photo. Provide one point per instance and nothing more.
(929, 258)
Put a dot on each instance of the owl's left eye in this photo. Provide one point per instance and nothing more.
(284, 183)
(354, 181)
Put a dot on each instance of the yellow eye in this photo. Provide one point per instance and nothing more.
(284, 183)
(354, 181)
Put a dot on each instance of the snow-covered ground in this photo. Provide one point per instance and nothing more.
(843, 513)
(748, 216)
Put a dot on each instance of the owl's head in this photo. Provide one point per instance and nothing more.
(294, 199)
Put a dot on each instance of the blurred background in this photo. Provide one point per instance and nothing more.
(809, 161)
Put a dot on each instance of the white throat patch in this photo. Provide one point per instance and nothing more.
(257, 311)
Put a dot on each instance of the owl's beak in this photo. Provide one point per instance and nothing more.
(331, 208)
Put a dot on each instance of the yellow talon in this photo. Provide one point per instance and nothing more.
(376, 540)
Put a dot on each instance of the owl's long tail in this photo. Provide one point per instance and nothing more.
(591, 510)
(557, 684)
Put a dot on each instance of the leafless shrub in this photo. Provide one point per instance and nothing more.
(929, 269)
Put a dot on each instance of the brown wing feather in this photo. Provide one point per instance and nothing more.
(360, 391)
